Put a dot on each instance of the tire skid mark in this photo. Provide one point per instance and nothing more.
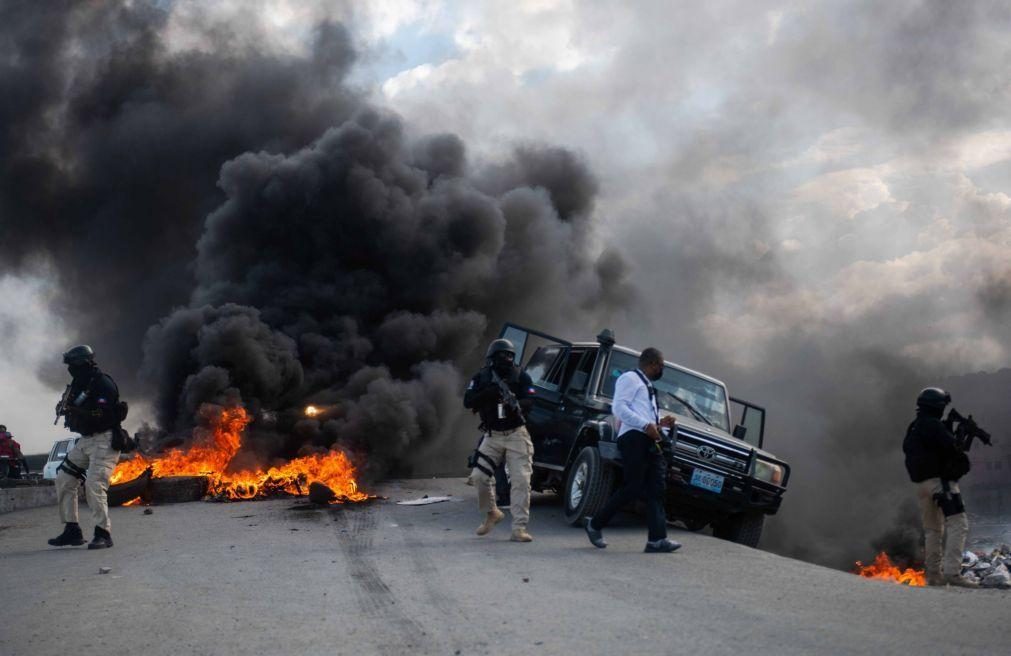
(426, 571)
(380, 608)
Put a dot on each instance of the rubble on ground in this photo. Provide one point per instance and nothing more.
(990, 570)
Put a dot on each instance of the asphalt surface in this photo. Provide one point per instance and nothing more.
(273, 577)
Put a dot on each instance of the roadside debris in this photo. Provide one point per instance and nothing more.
(148, 511)
(104, 570)
(989, 570)
(424, 501)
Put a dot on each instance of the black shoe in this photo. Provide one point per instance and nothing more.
(71, 537)
(662, 546)
(596, 537)
(103, 540)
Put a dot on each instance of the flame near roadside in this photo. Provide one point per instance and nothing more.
(214, 448)
(883, 569)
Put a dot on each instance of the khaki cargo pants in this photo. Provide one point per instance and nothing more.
(944, 535)
(90, 462)
(518, 450)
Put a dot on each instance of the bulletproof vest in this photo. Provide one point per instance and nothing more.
(489, 412)
(96, 400)
(925, 455)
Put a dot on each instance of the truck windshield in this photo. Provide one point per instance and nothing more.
(709, 398)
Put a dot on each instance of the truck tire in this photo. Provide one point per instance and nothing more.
(742, 528)
(178, 489)
(587, 486)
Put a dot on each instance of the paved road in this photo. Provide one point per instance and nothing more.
(260, 579)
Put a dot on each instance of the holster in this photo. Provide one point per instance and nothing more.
(949, 502)
(121, 440)
(480, 461)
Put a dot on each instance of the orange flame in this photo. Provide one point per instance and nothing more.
(884, 570)
(133, 502)
(213, 450)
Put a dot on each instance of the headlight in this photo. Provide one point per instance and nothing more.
(769, 472)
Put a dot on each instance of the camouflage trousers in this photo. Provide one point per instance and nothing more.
(90, 463)
(945, 535)
(517, 449)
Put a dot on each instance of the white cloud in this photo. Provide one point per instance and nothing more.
(32, 334)
(848, 192)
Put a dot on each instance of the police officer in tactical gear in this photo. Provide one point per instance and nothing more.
(90, 407)
(935, 463)
(499, 394)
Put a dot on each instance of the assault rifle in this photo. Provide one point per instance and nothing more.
(61, 407)
(507, 395)
(966, 431)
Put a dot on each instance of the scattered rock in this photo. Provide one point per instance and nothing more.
(320, 493)
(148, 511)
(104, 570)
(969, 559)
(999, 577)
(526, 579)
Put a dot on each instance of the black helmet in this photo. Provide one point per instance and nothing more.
(933, 397)
(82, 354)
(500, 346)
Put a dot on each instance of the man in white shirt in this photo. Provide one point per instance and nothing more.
(643, 464)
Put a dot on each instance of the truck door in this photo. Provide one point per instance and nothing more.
(571, 412)
(751, 421)
(543, 358)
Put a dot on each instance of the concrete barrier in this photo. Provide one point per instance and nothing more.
(22, 498)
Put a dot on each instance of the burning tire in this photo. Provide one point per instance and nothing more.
(122, 492)
(587, 486)
(178, 489)
(743, 528)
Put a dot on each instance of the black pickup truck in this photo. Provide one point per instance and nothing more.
(717, 471)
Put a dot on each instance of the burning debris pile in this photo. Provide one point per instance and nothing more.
(883, 569)
(989, 570)
(212, 454)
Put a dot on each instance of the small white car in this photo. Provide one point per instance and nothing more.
(56, 455)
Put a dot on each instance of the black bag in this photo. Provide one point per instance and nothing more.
(121, 440)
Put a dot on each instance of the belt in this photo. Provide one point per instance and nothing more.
(505, 432)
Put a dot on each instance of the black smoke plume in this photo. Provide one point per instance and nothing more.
(262, 230)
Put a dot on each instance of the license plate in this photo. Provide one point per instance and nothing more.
(707, 480)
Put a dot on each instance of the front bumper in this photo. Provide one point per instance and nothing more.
(739, 493)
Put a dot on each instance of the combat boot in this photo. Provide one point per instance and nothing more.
(71, 536)
(959, 581)
(935, 579)
(102, 539)
(493, 517)
(521, 535)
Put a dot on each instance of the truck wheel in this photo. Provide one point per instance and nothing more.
(743, 528)
(587, 486)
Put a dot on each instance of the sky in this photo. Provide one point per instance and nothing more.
(813, 198)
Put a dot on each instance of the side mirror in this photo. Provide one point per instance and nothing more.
(740, 431)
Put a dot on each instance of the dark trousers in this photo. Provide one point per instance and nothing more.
(644, 468)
